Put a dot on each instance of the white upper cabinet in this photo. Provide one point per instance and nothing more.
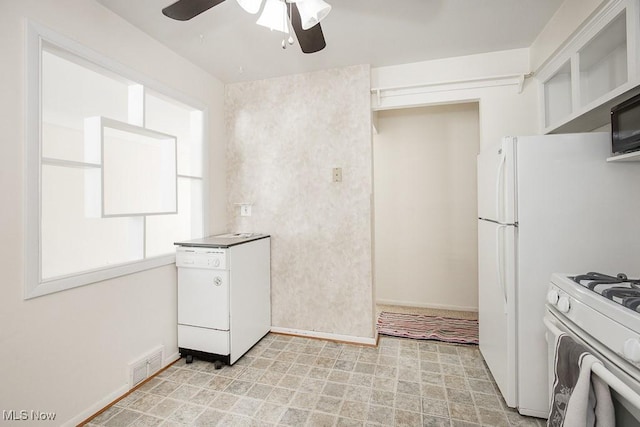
(594, 70)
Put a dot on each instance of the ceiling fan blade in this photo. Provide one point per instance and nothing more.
(311, 40)
(183, 10)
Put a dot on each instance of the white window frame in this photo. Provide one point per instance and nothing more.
(34, 286)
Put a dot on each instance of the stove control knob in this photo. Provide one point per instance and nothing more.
(564, 305)
(631, 350)
(552, 297)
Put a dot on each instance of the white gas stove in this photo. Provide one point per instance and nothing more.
(607, 320)
(599, 311)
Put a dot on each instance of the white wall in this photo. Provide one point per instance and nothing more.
(285, 137)
(507, 103)
(481, 78)
(425, 196)
(68, 352)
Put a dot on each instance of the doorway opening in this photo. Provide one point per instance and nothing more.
(425, 210)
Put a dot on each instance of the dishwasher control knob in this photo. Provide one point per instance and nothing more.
(552, 297)
(216, 262)
(564, 305)
(217, 281)
(631, 350)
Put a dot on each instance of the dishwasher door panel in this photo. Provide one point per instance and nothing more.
(203, 298)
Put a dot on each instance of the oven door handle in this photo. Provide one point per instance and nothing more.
(614, 382)
(602, 372)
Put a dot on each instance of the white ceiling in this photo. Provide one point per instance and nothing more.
(227, 43)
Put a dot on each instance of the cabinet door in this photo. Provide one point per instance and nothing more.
(593, 70)
(603, 62)
(203, 298)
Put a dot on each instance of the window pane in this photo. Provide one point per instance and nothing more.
(70, 93)
(164, 230)
(173, 118)
(72, 242)
(139, 173)
(136, 169)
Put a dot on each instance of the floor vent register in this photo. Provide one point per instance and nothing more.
(145, 367)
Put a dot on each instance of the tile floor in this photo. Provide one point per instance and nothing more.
(294, 381)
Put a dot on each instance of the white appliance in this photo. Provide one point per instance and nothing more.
(545, 204)
(601, 313)
(224, 295)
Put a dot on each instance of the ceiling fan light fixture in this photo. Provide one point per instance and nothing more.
(312, 12)
(274, 16)
(251, 6)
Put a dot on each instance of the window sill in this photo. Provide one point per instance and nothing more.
(47, 287)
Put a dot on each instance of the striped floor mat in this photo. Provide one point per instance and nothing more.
(422, 327)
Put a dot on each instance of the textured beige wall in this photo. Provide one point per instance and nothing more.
(284, 137)
(426, 206)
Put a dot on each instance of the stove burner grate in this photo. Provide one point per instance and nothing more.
(619, 289)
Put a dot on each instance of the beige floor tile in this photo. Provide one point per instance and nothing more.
(270, 412)
(146, 402)
(294, 417)
(354, 410)
(318, 419)
(428, 421)
(165, 408)
(187, 413)
(123, 418)
(299, 381)
(493, 418)
(210, 417)
(433, 407)
(462, 412)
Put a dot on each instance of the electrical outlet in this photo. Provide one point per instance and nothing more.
(337, 174)
(245, 210)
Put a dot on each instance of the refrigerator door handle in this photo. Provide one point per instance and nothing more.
(499, 256)
(499, 192)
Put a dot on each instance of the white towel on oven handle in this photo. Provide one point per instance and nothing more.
(590, 403)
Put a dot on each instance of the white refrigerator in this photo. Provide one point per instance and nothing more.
(546, 204)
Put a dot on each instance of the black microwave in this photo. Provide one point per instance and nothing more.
(625, 126)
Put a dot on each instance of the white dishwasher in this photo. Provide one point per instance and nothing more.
(224, 295)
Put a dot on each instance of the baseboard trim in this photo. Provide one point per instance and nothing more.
(421, 305)
(97, 408)
(350, 339)
(170, 360)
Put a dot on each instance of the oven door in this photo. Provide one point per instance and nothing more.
(625, 390)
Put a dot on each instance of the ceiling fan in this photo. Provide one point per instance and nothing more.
(303, 16)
